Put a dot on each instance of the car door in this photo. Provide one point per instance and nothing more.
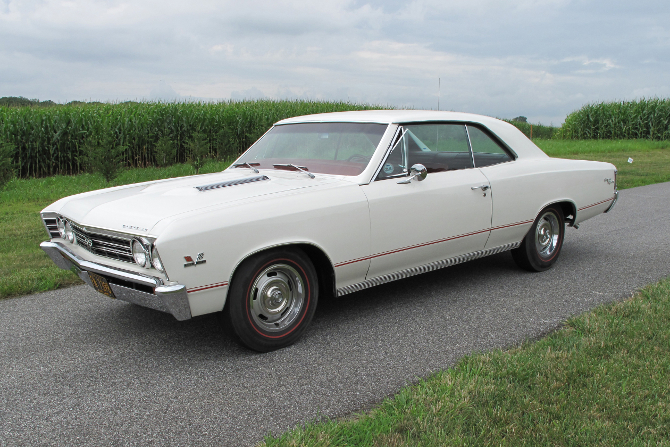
(446, 215)
(515, 191)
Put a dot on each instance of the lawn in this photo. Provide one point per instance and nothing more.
(651, 159)
(26, 269)
(601, 380)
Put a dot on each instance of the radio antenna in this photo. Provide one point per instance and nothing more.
(439, 85)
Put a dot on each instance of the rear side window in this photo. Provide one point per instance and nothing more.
(486, 150)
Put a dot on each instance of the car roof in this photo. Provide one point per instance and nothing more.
(508, 133)
(386, 117)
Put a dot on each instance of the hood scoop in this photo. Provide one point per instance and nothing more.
(242, 181)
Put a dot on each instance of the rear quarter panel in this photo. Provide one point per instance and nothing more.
(522, 188)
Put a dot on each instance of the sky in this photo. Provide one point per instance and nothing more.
(536, 58)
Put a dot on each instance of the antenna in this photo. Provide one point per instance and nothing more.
(439, 85)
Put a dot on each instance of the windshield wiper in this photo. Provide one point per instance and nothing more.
(248, 165)
(297, 168)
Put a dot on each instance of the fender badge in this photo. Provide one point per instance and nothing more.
(191, 263)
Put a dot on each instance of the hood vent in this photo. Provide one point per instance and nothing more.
(242, 181)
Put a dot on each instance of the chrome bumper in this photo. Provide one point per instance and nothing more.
(143, 290)
(616, 197)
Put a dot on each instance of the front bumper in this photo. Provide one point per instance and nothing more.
(143, 290)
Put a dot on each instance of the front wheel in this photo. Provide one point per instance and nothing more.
(542, 245)
(272, 299)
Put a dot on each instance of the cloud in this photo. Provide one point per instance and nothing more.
(540, 59)
(164, 92)
(252, 93)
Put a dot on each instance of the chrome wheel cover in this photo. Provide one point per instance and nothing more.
(277, 297)
(547, 233)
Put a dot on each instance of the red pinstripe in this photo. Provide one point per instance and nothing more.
(595, 204)
(207, 287)
(398, 250)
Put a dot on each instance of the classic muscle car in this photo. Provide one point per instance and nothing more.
(326, 204)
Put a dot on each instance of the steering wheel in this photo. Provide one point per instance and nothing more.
(358, 158)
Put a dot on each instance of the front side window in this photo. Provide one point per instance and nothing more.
(439, 147)
(327, 148)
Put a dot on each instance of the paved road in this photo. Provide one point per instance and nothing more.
(78, 369)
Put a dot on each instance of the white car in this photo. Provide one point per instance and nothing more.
(326, 204)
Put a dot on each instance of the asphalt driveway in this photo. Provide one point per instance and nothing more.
(79, 369)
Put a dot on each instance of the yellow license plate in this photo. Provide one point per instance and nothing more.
(101, 285)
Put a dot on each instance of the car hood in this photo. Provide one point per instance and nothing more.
(138, 208)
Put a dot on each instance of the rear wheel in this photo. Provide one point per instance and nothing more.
(542, 245)
(272, 299)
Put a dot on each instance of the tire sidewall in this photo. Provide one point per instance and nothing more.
(237, 306)
(539, 263)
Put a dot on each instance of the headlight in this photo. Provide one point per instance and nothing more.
(156, 261)
(60, 223)
(140, 253)
(69, 234)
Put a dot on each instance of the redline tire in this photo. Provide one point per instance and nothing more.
(542, 245)
(272, 299)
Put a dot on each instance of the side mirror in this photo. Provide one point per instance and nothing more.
(418, 171)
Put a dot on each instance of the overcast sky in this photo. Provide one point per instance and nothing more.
(541, 59)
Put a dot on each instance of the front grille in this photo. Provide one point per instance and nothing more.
(115, 247)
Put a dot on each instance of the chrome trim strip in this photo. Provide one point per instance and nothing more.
(616, 197)
(242, 181)
(84, 229)
(472, 154)
(172, 299)
(109, 232)
(406, 273)
(388, 150)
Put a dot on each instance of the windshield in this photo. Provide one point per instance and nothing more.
(327, 148)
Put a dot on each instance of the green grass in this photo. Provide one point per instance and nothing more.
(25, 268)
(651, 159)
(567, 148)
(602, 380)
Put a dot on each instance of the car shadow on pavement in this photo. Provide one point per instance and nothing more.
(204, 335)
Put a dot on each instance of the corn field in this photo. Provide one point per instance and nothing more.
(52, 140)
(538, 130)
(646, 119)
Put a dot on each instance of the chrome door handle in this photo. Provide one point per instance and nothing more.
(482, 187)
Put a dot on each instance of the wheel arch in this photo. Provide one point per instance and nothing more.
(325, 271)
(531, 254)
(568, 207)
